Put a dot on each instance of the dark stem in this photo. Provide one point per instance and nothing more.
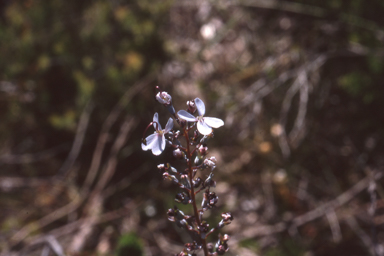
(192, 192)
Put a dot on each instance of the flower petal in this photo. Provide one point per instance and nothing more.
(213, 122)
(162, 143)
(157, 126)
(169, 125)
(150, 140)
(156, 149)
(186, 116)
(203, 128)
(200, 106)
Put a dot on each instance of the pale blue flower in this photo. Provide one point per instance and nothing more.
(156, 141)
(204, 124)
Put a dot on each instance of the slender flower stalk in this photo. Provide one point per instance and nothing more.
(194, 178)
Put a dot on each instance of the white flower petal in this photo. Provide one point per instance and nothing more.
(162, 143)
(150, 140)
(156, 148)
(157, 126)
(203, 128)
(213, 122)
(200, 106)
(186, 116)
(169, 125)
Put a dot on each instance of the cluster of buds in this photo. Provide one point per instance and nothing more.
(189, 144)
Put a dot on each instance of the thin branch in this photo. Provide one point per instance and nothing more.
(121, 138)
(78, 141)
(334, 225)
(361, 234)
(32, 158)
(108, 123)
(315, 213)
(63, 211)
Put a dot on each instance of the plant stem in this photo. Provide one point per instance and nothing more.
(192, 194)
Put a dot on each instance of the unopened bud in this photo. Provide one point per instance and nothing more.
(204, 228)
(182, 198)
(164, 98)
(191, 107)
(210, 162)
(170, 177)
(161, 167)
(210, 247)
(178, 154)
(203, 150)
(175, 214)
(173, 170)
(197, 182)
(210, 199)
(226, 219)
(221, 245)
(185, 181)
(209, 182)
(197, 160)
(192, 246)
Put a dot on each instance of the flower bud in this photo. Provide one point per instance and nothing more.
(161, 168)
(178, 154)
(192, 246)
(171, 214)
(197, 160)
(175, 214)
(203, 228)
(226, 219)
(184, 179)
(170, 177)
(203, 150)
(182, 198)
(221, 245)
(210, 247)
(164, 98)
(191, 107)
(197, 182)
(209, 200)
(173, 170)
(209, 182)
(221, 249)
(210, 162)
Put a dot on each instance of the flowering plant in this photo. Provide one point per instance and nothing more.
(194, 154)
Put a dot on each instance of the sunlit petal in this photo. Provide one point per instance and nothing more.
(150, 140)
(156, 120)
(213, 122)
(186, 116)
(169, 125)
(200, 106)
(156, 148)
(203, 128)
(162, 143)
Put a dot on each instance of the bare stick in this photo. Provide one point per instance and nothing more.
(78, 142)
(315, 213)
(103, 137)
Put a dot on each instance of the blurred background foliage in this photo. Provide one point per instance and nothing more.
(298, 83)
